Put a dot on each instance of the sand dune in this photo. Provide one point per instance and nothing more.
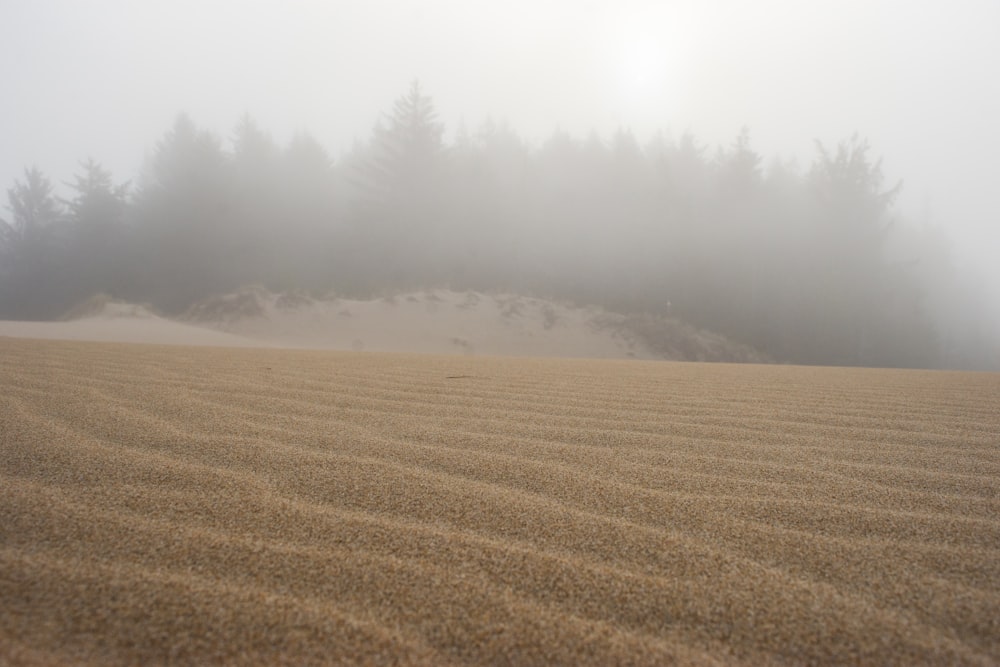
(126, 323)
(244, 506)
(470, 323)
(431, 321)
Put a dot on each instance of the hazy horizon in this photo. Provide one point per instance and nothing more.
(105, 80)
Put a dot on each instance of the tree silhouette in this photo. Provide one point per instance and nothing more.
(307, 251)
(740, 168)
(397, 236)
(30, 277)
(98, 233)
(34, 208)
(184, 212)
(848, 261)
(99, 204)
(407, 147)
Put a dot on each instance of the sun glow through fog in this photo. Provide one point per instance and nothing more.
(647, 68)
(644, 65)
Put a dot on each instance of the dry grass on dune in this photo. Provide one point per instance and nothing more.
(197, 505)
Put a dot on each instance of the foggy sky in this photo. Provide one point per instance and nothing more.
(105, 79)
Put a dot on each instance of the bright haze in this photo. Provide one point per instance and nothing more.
(106, 78)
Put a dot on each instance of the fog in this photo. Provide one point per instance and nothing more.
(107, 80)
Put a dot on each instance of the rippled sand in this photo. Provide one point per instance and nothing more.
(197, 505)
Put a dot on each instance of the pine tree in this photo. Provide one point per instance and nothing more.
(98, 203)
(34, 209)
(97, 232)
(30, 246)
(407, 149)
(851, 228)
(185, 219)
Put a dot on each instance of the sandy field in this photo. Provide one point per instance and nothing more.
(212, 505)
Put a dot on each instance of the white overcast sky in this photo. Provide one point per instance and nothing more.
(919, 78)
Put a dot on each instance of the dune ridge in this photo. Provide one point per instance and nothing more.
(434, 321)
(249, 506)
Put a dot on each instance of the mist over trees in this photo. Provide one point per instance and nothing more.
(808, 266)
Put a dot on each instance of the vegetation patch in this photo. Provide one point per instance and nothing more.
(104, 305)
(246, 303)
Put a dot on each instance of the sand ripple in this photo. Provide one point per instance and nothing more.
(195, 505)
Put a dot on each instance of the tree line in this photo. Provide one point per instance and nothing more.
(808, 266)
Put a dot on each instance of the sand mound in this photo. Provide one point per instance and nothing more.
(444, 321)
(102, 318)
(430, 321)
(208, 506)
